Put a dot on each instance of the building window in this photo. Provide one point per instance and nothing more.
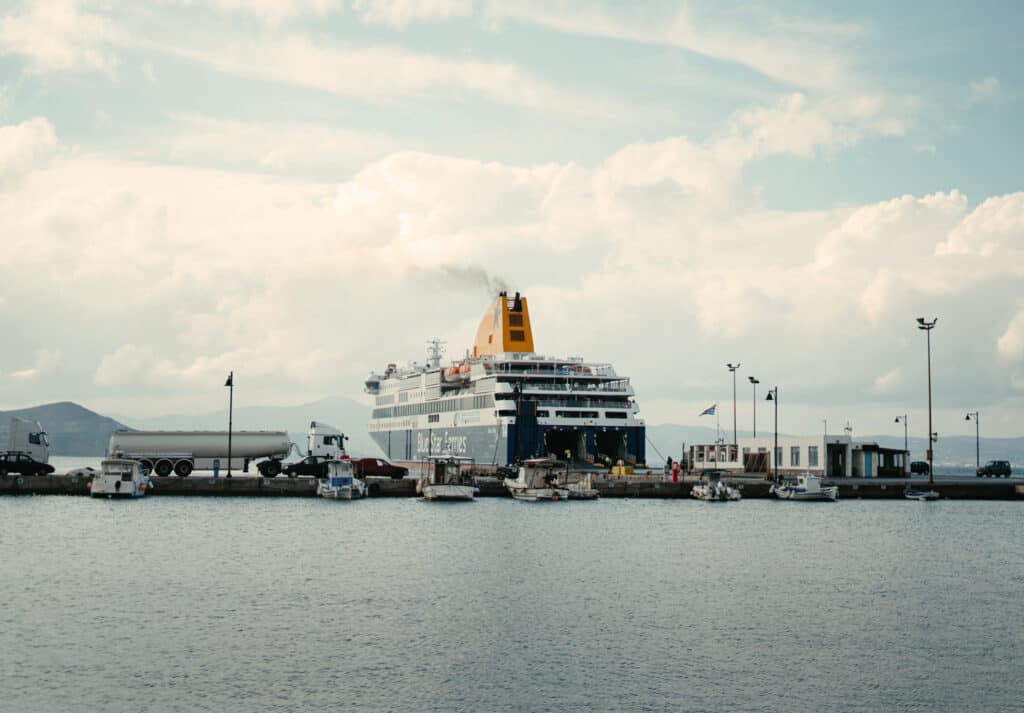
(794, 455)
(517, 335)
(778, 456)
(515, 320)
(812, 456)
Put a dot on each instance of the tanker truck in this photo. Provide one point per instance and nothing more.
(180, 452)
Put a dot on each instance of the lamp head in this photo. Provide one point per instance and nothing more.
(753, 380)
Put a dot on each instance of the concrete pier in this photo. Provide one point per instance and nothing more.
(636, 486)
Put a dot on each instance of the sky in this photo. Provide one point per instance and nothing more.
(301, 191)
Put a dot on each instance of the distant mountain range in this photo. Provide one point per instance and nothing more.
(77, 431)
(73, 430)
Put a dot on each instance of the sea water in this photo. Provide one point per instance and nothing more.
(248, 604)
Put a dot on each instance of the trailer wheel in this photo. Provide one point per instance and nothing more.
(163, 468)
(270, 468)
(183, 468)
(147, 466)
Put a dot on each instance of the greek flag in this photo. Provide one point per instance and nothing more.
(709, 411)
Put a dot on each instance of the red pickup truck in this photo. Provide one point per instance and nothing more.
(378, 466)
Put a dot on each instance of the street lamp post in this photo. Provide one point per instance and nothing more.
(773, 395)
(754, 382)
(230, 383)
(733, 367)
(928, 327)
(903, 419)
(977, 438)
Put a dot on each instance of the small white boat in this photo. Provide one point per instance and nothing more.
(711, 489)
(340, 482)
(119, 478)
(583, 490)
(805, 487)
(448, 478)
(537, 482)
(922, 495)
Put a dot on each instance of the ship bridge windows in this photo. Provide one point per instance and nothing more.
(464, 403)
(615, 414)
(506, 412)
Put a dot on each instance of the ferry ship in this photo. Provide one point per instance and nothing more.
(504, 403)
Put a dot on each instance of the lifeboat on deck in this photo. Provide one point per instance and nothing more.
(457, 373)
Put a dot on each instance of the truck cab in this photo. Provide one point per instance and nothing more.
(325, 440)
(28, 437)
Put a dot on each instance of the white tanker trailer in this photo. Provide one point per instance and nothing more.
(180, 452)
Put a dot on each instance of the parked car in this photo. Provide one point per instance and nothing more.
(315, 466)
(23, 463)
(378, 466)
(919, 466)
(995, 468)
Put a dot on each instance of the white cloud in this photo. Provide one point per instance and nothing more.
(270, 12)
(148, 72)
(993, 231)
(22, 147)
(45, 361)
(796, 52)
(381, 74)
(209, 271)
(984, 89)
(888, 382)
(54, 35)
(1010, 346)
(400, 13)
(272, 146)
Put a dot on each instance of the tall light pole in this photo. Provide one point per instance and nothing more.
(903, 419)
(977, 438)
(733, 368)
(230, 383)
(754, 382)
(928, 327)
(773, 395)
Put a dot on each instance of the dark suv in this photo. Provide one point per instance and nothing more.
(315, 466)
(996, 468)
(15, 462)
(919, 466)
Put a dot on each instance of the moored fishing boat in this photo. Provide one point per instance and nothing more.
(804, 487)
(922, 495)
(340, 482)
(119, 478)
(448, 478)
(712, 489)
(537, 481)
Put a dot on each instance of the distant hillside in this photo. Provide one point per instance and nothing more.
(72, 429)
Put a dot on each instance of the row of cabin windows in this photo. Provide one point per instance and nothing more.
(430, 407)
(794, 454)
(562, 414)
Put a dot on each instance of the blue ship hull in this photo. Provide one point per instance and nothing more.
(505, 445)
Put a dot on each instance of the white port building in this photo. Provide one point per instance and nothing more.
(826, 455)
